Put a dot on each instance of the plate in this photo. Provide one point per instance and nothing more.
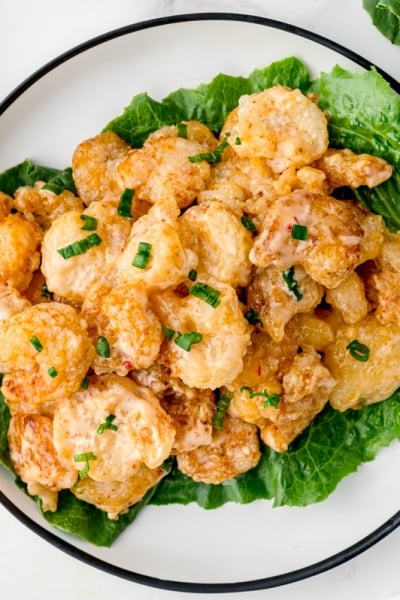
(236, 547)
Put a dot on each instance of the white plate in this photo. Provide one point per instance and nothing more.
(186, 548)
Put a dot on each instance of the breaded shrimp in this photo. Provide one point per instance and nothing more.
(374, 376)
(217, 358)
(115, 497)
(169, 259)
(72, 277)
(233, 450)
(281, 125)
(41, 206)
(94, 164)
(345, 168)
(269, 295)
(220, 241)
(33, 456)
(161, 168)
(11, 302)
(349, 298)
(340, 235)
(124, 317)
(45, 352)
(134, 429)
(6, 203)
(19, 251)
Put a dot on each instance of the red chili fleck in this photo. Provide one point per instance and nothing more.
(127, 365)
(259, 370)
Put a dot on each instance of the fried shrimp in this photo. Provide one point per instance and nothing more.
(123, 316)
(281, 125)
(45, 354)
(162, 167)
(169, 260)
(221, 333)
(110, 429)
(339, 236)
(19, 251)
(34, 458)
(233, 450)
(94, 164)
(73, 258)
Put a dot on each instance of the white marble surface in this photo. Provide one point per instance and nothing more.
(33, 33)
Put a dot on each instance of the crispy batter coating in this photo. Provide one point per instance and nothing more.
(281, 125)
(41, 206)
(234, 450)
(340, 236)
(161, 168)
(115, 497)
(43, 337)
(143, 435)
(19, 251)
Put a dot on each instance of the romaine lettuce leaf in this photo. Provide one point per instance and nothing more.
(28, 173)
(385, 15)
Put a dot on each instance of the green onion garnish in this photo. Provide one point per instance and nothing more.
(142, 257)
(108, 424)
(192, 275)
(253, 317)
(247, 223)
(222, 407)
(85, 383)
(36, 343)
(358, 351)
(186, 340)
(291, 282)
(207, 293)
(80, 247)
(182, 130)
(103, 347)
(270, 399)
(52, 372)
(89, 223)
(84, 457)
(167, 332)
(213, 157)
(45, 292)
(53, 187)
(125, 204)
(299, 232)
(238, 141)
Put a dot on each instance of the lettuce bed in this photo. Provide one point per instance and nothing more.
(364, 116)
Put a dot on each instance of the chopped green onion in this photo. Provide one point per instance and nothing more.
(52, 372)
(80, 247)
(253, 317)
(238, 141)
(89, 223)
(142, 257)
(125, 204)
(45, 292)
(108, 424)
(103, 347)
(84, 457)
(85, 383)
(270, 399)
(222, 406)
(291, 282)
(36, 343)
(53, 187)
(247, 223)
(207, 293)
(213, 157)
(167, 332)
(192, 275)
(182, 129)
(299, 232)
(186, 340)
(358, 351)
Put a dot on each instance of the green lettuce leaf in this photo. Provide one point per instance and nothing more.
(385, 15)
(4, 423)
(28, 173)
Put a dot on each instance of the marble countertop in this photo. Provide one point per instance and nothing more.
(34, 33)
